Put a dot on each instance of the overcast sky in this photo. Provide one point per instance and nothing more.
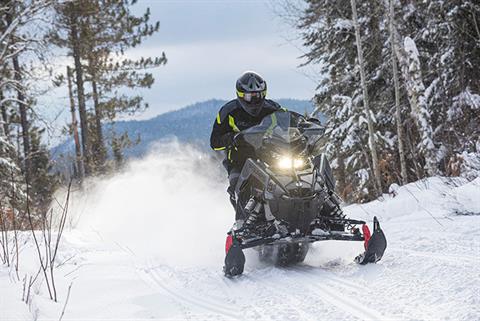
(210, 43)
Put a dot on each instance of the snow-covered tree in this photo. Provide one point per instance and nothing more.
(21, 26)
(398, 114)
(420, 111)
(372, 140)
(447, 37)
(329, 33)
(9, 170)
(433, 99)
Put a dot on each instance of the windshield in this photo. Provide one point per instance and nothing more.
(281, 129)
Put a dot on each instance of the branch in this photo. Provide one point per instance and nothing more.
(66, 301)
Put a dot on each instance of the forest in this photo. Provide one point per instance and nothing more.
(399, 82)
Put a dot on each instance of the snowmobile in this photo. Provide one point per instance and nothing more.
(285, 196)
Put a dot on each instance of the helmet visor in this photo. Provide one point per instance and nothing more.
(252, 102)
(254, 96)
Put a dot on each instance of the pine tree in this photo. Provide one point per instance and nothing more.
(110, 32)
(97, 34)
(43, 182)
(67, 34)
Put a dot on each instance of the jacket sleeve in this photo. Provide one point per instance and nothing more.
(222, 134)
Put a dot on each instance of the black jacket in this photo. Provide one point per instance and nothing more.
(232, 118)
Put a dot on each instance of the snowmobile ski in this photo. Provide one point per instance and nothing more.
(374, 246)
(234, 259)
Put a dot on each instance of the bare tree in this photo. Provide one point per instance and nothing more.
(25, 13)
(47, 247)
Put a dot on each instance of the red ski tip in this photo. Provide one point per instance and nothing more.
(228, 243)
(366, 235)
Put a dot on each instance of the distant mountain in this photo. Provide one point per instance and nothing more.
(190, 124)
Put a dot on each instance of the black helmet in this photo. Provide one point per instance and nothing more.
(251, 92)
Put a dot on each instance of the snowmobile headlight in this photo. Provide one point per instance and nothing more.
(298, 163)
(286, 162)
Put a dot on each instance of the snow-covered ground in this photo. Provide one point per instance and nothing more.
(149, 244)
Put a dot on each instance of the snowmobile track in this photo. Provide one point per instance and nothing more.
(319, 272)
(272, 294)
(182, 296)
(322, 287)
(329, 293)
(346, 303)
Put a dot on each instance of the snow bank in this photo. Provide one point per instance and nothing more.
(468, 198)
(172, 204)
(432, 198)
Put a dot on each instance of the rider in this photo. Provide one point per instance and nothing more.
(246, 111)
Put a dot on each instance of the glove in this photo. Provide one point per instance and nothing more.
(238, 140)
(233, 148)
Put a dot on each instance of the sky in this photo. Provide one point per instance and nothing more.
(208, 44)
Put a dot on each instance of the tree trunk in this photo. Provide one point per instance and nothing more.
(415, 90)
(100, 153)
(78, 151)
(4, 116)
(416, 166)
(340, 177)
(80, 92)
(371, 131)
(398, 117)
(22, 106)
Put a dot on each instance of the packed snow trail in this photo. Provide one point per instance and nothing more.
(149, 244)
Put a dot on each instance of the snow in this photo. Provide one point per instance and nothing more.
(343, 24)
(11, 305)
(461, 101)
(149, 244)
(467, 198)
(446, 56)
(411, 49)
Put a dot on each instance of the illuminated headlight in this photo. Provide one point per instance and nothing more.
(286, 162)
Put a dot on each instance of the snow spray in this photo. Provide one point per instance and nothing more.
(171, 204)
